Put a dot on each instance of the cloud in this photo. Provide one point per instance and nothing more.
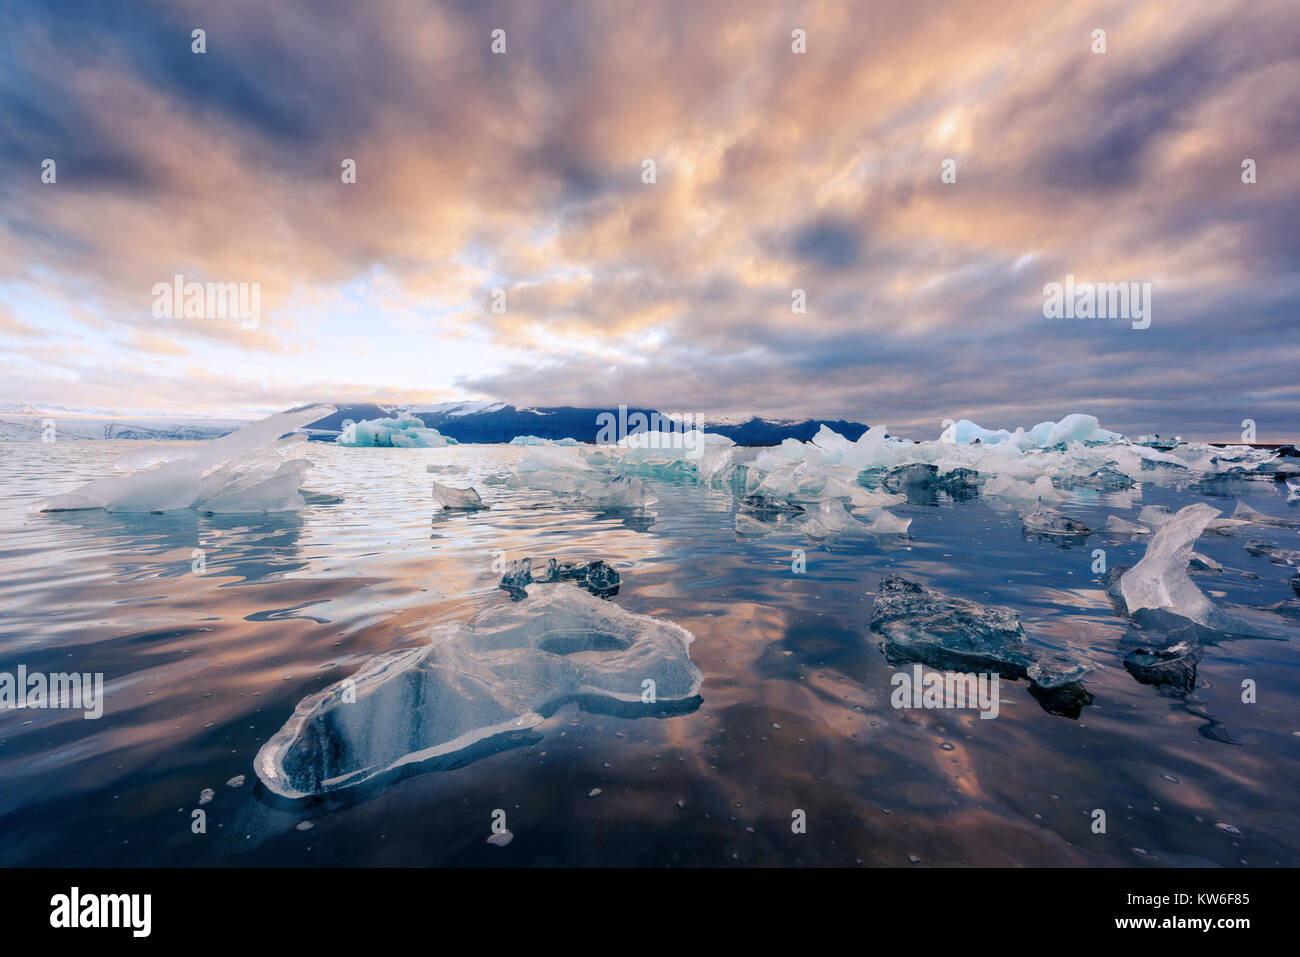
(774, 171)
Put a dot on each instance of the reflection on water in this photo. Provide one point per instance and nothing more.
(210, 629)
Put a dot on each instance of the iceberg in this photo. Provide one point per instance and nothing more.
(1075, 427)
(245, 471)
(479, 684)
(402, 432)
(534, 440)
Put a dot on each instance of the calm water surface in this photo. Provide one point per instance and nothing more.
(201, 669)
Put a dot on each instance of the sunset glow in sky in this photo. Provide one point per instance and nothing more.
(775, 171)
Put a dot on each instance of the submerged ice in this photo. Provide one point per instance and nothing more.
(475, 683)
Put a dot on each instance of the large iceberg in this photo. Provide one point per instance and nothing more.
(475, 683)
(402, 432)
(1075, 427)
(245, 471)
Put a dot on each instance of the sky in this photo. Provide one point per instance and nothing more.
(524, 171)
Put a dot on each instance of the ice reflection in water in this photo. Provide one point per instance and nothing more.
(202, 669)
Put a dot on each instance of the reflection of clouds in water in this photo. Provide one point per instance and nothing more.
(203, 669)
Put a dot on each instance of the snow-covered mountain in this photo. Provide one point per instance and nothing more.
(498, 422)
(463, 421)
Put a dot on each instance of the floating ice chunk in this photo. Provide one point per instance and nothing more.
(618, 492)
(764, 505)
(920, 476)
(1247, 515)
(476, 682)
(1154, 515)
(1104, 479)
(547, 458)
(403, 432)
(831, 518)
(1041, 490)
(534, 440)
(1048, 521)
(919, 624)
(915, 475)
(886, 523)
(464, 499)
(1154, 662)
(1116, 524)
(748, 525)
(244, 471)
(1278, 556)
(1203, 563)
(597, 577)
(1160, 579)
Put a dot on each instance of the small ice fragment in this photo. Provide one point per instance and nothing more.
(1244, 513)
(206, 795)
(236, 781)
(594, 792)
(501, 839)
(1047, 521)
(465, 499)
(766, 505)
(1116, 524)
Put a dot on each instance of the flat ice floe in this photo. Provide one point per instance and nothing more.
(474, 682)
(245, 471)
